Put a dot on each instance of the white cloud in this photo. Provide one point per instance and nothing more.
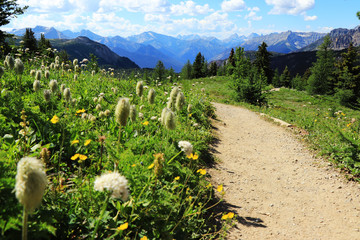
(145, 6)
(325, 29)
(190, 8)
(292, 7)
(233, 5)
(252, 14)
(161, 18)
(309, 18)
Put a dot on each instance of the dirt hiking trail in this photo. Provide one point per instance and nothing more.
(275, 186)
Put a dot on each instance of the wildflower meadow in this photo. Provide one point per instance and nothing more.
(86, 155)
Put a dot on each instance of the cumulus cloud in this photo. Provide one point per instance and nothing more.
(233, 5)
(190, 8)
(293, 7)
(309, 18)
(252, 14)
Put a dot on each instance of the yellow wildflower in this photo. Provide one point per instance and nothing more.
(220, 188)
(230, 215)
(74, 142)
(76, 156)
(209, 185)
(87, 142)
(144, 238)
(133, 165)
(80, 111)
(145, 123)
(349, 124)
(190, 114)
(123, 227)
(201, 171)
(54, 119)
(151, 166)
(82, 157)
(176, 178)
(193, 156)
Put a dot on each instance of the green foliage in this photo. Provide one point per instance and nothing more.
(346, 97)
(285, 78)
(231, 62)
(84, 142)
(199, 66)
(30, 40)
(159, 71)
(213, 69)
(298, 83)
(321, 79)
(186, 71)
(262, 62)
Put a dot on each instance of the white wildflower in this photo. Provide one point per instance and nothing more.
(114, 183)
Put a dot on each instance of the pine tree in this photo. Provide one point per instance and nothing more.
(321, 78)
(186, 71)
(30, 40)
(276, 79)
(159, 71)
(285, 78)
(231, 62)
(213, 69)
(348, 71)
(198, 66)
(44, 43)
(8, 9)
(263, 61)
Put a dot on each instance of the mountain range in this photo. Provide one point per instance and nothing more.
(147, 48)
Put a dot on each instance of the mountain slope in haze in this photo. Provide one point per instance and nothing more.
(340, 39)
(81, 47)
(284, 42)
(49, 33)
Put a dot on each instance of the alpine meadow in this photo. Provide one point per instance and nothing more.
(124, 137)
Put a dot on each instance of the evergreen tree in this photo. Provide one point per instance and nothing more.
(93, 63)
(44, 43)
(186, 71)
(204, 70)
(263, 61)
(276, 79)
(160, 71)
(198, 66)
(348, 71)
(30, 40)
(321, 78)
(213, 69)
(8, 9)
(298, 83)
(242, 64)
(285, 78)
(231, 62)
(63, 56)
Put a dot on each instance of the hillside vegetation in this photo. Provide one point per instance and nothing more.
(77, 123)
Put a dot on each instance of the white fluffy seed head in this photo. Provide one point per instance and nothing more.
(67, 94)
(19, 66)
(114, 183)
(180, 101)
(151, 96)
(133, 113)
(186, 147)
(36, 85)
(31, 182)
(122, 111)
(139, 88)
(53, 84)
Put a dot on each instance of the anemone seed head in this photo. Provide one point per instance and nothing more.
(122, 111)
(31, 182)
(113, 182)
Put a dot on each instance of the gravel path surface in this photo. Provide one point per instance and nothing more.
(276, 187)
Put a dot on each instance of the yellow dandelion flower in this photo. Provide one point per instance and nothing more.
(76, 156)
(80, 111)
(201, 171)
(54, 119)
(82, 157)
(123, 226)
(193, 156)
(176, 178)
(230, 215)
(145, 123)
(87, 142)
(133, 165)
(220, 188)
(190, 114)
(224, 217)
(144, 238)
(74, 142)
(151, 166)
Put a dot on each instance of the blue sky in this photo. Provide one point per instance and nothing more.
(218, 18)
